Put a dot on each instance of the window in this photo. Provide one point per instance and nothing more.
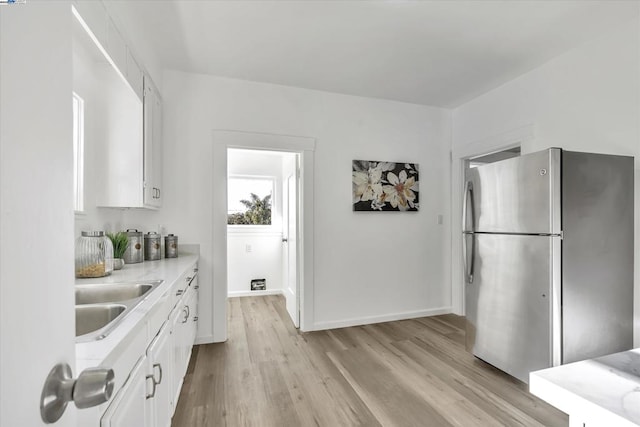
(249, 200)
(78, 153)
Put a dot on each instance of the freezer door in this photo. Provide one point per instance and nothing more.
(518, 195)
(509, 303)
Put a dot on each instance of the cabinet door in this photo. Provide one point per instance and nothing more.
(159, 368)
(175, 323)
(192, 327)
(183, 339)
(134, 75)
(96, 18)
(194, 309)
(157, 149)
(130, 407)
(116, 47)
(149, 190)
(152, 145)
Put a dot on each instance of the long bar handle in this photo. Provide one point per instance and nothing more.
(468, 197)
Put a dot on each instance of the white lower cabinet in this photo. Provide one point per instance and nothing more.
(159, 367)
(193, 321)
(175, 321)
(149, 395)
(130, 407)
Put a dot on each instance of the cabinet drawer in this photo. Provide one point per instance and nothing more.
(182, 284)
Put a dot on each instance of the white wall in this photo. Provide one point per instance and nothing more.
(585, 100)
(263, 260)
(368, 266)
(251, 253)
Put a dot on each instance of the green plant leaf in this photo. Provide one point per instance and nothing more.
(120, 242)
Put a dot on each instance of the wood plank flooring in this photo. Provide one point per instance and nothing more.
(405, 373)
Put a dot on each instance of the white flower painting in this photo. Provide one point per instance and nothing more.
(385, 186)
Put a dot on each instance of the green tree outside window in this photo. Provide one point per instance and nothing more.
(258, 212)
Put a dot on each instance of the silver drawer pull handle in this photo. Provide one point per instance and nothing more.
(93, 387)
(196, 287)
(179, 292)
(188, 279)
(195, 318)
(153, 391)
(159, 366)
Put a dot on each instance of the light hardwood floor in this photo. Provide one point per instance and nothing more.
(404, 373)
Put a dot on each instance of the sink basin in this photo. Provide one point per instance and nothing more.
(110, 292)
(100, 307)
(91, 318)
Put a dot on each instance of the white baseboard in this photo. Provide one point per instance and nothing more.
(318, 326)
(234, 294)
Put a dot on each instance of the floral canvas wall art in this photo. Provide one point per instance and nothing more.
(385, 186)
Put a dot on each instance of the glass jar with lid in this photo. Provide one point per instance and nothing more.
(94, 255)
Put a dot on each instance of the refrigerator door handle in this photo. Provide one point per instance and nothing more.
(469, 262)
(468, 194)
(468, 210)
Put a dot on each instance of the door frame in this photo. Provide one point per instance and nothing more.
(523, 137)
(304, 147)
(287, 258)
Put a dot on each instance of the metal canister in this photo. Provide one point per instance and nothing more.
(134, 253)
(170, 246)
(152, 250)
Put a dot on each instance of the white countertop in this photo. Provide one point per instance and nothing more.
(93, 353)
(598, 392)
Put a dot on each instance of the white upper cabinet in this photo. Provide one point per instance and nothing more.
(116, 47)
(135, 76)
(95, 17)
(125, 113)
(152, 145)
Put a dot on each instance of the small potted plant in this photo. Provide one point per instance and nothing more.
(120, 242)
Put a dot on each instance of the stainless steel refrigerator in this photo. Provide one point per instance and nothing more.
(548, 254)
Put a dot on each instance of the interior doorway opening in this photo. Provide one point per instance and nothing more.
(263, 194)
(492, 157)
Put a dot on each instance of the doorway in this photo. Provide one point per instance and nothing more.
(262, 225)
(290, 239)
(216, 251)
(492, 157)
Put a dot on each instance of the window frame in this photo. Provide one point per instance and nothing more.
(254, 227)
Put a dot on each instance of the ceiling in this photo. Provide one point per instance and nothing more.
(440, 53)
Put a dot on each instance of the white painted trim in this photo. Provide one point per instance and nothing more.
(222, 140)
(236, 294)
(254, 232)
(493, 143)
(265, 141)
(379, 319)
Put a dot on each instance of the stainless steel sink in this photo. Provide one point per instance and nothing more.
(101, 307)
(110, 292)
(91, 318)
